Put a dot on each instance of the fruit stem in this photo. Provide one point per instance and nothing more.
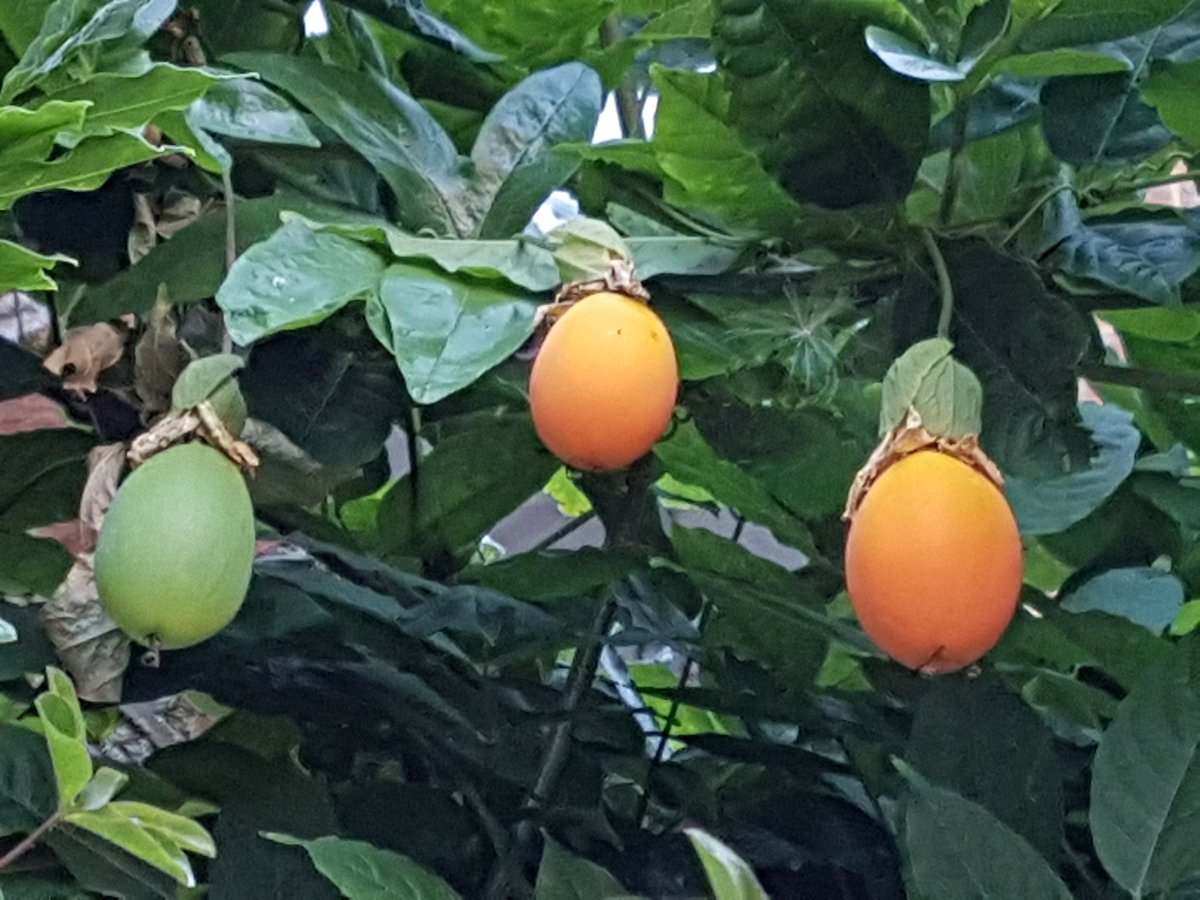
(945, 285)
(30, 841)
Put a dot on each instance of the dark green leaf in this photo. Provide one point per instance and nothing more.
(32, 651)
(340, 411)
(248, 110)
(412, 15)
(515, 168)
(408, 148)
(551, 574)
(41, 477)
(1051, 505)
(297, 277)
(30, 565)
(1145, 791)
(837, 126)
(565, 876)
(27, 795)
(958, 850)
(1074, 22)
(106, 869)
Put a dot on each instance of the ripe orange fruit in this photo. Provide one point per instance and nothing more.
(934, 563)
(604, 383)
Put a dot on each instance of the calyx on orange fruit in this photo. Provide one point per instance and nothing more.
(934, 563)
(605, 382)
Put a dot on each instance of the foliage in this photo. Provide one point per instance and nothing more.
(343, 222)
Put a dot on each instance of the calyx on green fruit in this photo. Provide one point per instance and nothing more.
(211, 378)
(175, 552)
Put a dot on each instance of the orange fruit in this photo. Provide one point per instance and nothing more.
(934, 563)
(604, 383)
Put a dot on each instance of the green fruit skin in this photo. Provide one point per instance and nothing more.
(175, 552)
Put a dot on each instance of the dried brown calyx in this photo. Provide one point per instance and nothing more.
(907, 438)
(180, 426)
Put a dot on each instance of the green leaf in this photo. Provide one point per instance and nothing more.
(1050, 505)
(469, 482)
(23, 270)
(1172, 89)
(21, 22)
(1145, 596)
(202, 378)
(176, 829)
(342, 411)
(956, 850)
(907, 57)
(295, 278)
(446, 332)
(1145, 791)
(710, 166)
(965, 734)
(248, 110)
(729, 876)
(564, 876)
(363, 872)
(30, 134)
(122, 102)
(124, 832)
(85, 168)
(1064, 61)
(515, 168)
(41, 477)
(32, 651)
(105, 784)
(835, 124)
(1073, 22)
(413, 16)
(105, 868)
(30, 565)
(27, 793)
(551, 574)
(191, 265)
(531, 34)
(66, 736)
(69, 32)
(689, 457)
(1101, 120)
(403, 142)
(1146, 255)
(944, 392)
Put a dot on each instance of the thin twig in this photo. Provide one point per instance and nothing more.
(30, 841)
(945, 285)
(1033, 211)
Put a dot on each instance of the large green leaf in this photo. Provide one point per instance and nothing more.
(66, 736)
(248, 110)
(363, 872)
(730, 876)
(1051, 505)
(515, 168)
(106, 869)
(412, 15)
(297, 277)
(964, 737)
(41, 477)
(85, 168)
(191, 265)
(836, 125)
(531, 34)
(565, 876)
(23, 270)
(1073, 22)
(27, 794)
(1173, 90)
(29, 134)
(1149, 597)
(447, 332)
(710, 166)
(690, 458)
(957, 850)
(404, 143)
(1145, 793)
(122, 102)
(341, 412)
(75, 30)
(30, 565)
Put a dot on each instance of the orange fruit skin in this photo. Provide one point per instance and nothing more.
(934, 563)
(604, 383)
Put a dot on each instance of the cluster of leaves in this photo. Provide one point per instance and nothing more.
(825, 184)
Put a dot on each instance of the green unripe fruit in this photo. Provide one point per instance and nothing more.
(176, 548)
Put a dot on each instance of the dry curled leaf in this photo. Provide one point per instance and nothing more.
(143, 234)
(155, 725)
(214, 430)
(84, 355)
(177, 427)
(105, 464)
(907, 438)
(92, 649)
(180, 210)
(159, 357)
